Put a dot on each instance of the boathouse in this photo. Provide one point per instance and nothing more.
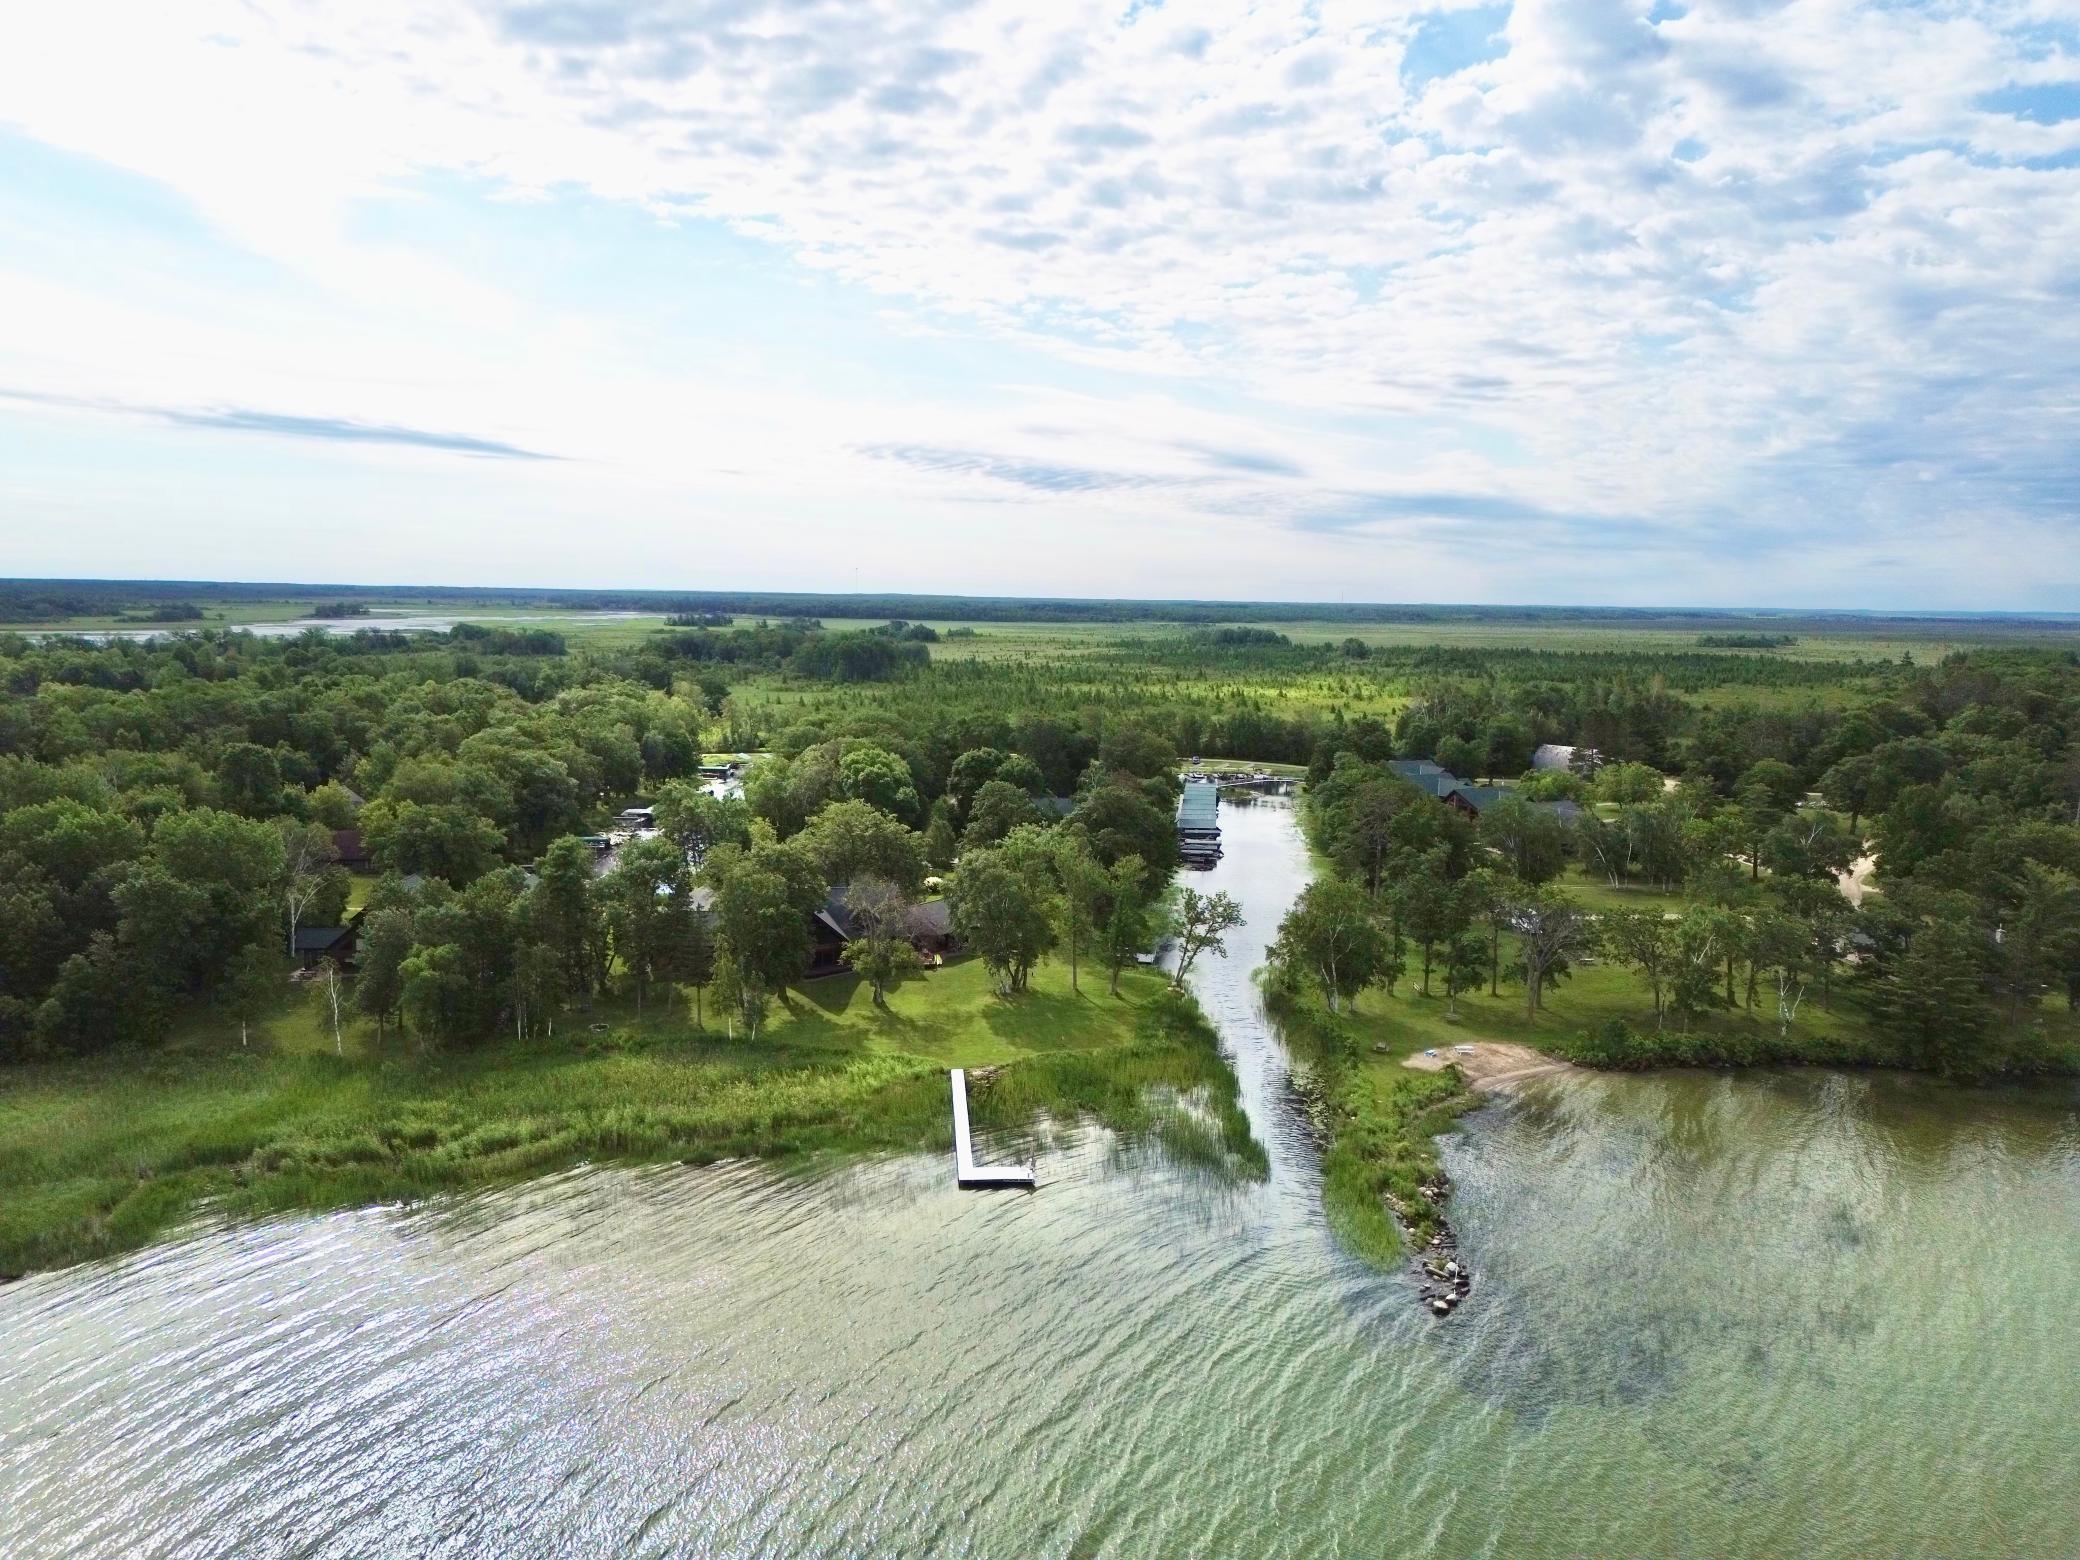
(1198, 823)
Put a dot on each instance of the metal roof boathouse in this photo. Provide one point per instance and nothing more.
(1198, 823)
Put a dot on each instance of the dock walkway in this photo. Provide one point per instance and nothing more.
(966, 1172)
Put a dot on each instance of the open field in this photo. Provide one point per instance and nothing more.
(1011, 626)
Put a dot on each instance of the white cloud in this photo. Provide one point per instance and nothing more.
(1844, 314)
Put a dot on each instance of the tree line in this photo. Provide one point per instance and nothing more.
(1970, 794)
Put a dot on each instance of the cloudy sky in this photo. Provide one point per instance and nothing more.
(1568, 300)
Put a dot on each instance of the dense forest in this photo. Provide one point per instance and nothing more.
(166, 808)
(172, 812)
(1963, 784)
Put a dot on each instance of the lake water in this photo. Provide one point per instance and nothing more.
(1798, 1314)
(403, 623)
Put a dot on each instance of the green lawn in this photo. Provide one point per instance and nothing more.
(1595, 892)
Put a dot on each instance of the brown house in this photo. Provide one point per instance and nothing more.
(831, 928)
(341, 944)
(349, 849)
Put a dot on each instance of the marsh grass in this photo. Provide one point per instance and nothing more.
(104, 1155)
(1378, 1122)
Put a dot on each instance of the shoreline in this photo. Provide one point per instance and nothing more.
(108, 1154)
(1492, 1066)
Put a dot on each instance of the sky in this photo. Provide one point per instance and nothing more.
(1570, 301)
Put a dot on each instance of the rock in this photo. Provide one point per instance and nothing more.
(1440, 1307)
(1451, 1269)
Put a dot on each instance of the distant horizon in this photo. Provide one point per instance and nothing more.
(663, 596)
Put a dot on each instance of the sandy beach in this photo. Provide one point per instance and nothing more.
(1491, 1064)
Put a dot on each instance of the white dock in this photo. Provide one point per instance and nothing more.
(966, 1172)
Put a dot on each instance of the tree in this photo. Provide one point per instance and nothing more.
(1334, 934)
(695, 964)
(879, 778)
(1771, 784)
(1367, 737)
(853, 840)
(1850, 787)
(1808, 844)
(1644, 941)
(538, 987)
(97, 1001)
(250, 986)
(1489, 895)
(998, 808)
(249, 779)
(1429, 906)
(1124, 817)
(740, 987)
(1551, 932)
(2039, 937)
(648, 901)
(764, 897)
(442, 840)
(563, 914)
(435, 992)
(880, 951)
(1699, 939)
(1083, 882)
(1461, 756)
(697, 821)
(1203, 922)
(1465, 966)
(307, 856)
(1127, 924)
(206, 892)
(386, 942)
(1361, 828)
(1628, 783)
(334, 806)
(1137, 751)
(1002, 910)
(1932, 997)
(1747, 826)
(1784, 947)
(969, 773)
(1531, 841)
(328, 988)
(940, 842)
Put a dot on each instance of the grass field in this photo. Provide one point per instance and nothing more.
(1596, 892)
(102, 1155)
(1828, 637)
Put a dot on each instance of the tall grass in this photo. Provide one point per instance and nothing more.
(1378, 1121)
(98, 1157)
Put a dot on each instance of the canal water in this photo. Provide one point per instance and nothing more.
(1779, 1314)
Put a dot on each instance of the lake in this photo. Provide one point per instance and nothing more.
(1801, 1313)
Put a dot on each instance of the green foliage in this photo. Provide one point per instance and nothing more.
(998, 808)
(764, 896)
(1335, 936)
(852, 840)
(1003, 911)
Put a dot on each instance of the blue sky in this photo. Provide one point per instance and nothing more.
(1578, 302)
